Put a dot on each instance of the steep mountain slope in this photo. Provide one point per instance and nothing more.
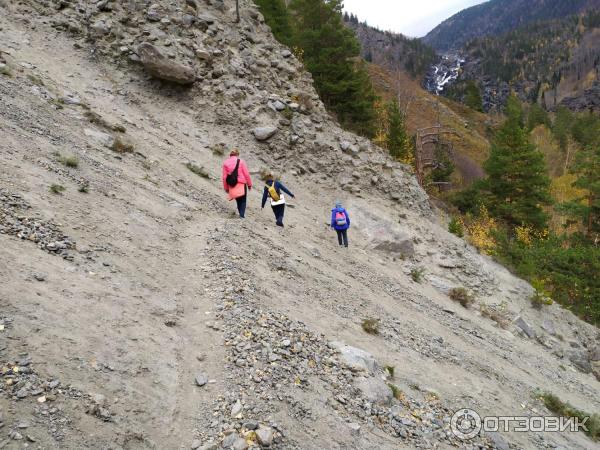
(499, 16)
(138, 312)
(392, 50)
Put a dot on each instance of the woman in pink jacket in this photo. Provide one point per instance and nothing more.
(236, 186)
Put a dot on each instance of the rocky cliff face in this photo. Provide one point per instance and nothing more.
(138, 312)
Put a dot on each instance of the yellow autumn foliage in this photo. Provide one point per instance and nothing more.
(480, 231)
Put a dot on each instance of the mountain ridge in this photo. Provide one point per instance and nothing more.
(499, 16)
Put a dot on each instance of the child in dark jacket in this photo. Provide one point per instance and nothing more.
(274, 190)
(340, 222)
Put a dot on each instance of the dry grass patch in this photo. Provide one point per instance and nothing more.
(370, 326)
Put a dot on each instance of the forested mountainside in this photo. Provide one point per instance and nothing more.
(499, 16)
(392, 50)
(548, 62)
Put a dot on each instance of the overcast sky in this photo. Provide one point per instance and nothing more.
(413, 18)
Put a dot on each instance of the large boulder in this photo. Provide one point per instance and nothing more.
(356, 359)
(401, 245)
(594, 358)
(579, 359)
(264, 133)
(374, 390)
(525, 327)
(161, 67)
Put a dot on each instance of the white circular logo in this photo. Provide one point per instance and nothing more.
(465, 424)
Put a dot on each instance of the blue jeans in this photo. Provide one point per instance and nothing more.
(241, 202)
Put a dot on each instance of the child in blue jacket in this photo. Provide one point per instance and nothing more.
(274, 189)
(340, 222)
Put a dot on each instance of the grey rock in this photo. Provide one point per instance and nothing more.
(525, 327)
(70, 99)
(548, 326)
(348, 148)
(195, 444)
(356, 358)
(264, 133)
(154, 13)
(101, 28)
(237, 408)
(250, 424)
(579, 358)
(209, 446)
(498, 441)
(161, 67)
(264, 436)
(239, 444)
(401, 245)
(201, 379)
(286, 53)
(229, 440)
(354, 429)
(100, 137)
(279, 105)
(595, 353)
(39, 276)
(203, 55)
(374, 390)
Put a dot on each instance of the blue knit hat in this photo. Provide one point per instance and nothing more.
(338, 204)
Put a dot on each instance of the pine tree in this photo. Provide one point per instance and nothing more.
(587, 168)
(397, 141)
(516, 174)
(331, 52)
(473, 97)
(537, 116)
(586, 131)
(562, 126)
(278, 18)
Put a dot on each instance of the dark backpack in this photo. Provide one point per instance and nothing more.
(232, 178)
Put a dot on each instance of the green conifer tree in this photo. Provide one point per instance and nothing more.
(397, 141)
(516, 174)
(278, 18)
(537, 116)
(331, 54)
(473, 97)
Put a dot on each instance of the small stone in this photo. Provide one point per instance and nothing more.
(264, 436)
(250, 425)
(201, 379)
(195, 444)
(236, 409)
(240, 444)
(39, 277)
(16, 435)
(229, 440)
(354, 428)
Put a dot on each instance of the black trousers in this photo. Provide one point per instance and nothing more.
(342, 237)
(279, 211)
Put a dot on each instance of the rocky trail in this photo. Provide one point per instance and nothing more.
(137, 311)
